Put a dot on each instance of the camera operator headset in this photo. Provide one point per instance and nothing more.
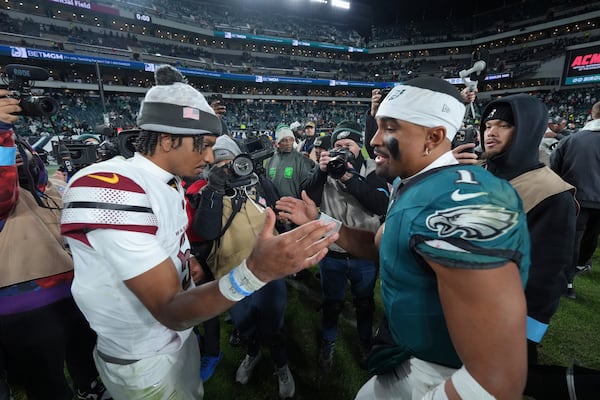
(41, 325)
(346, 187)
(231, 213)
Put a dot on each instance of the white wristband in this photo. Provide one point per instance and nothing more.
(239, 283)
(467, 387)
(327, 218)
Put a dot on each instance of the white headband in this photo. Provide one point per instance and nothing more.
(423, 107)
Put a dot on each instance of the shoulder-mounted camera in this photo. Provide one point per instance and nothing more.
(122, 144)
(18, 78)
(255, 150)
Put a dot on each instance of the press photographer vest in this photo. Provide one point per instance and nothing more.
(237, 241)
(537, 185)
(30, 242)
(340, 204)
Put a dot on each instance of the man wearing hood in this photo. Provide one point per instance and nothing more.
(512, 128)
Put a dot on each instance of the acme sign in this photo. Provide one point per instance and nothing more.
(586, 59)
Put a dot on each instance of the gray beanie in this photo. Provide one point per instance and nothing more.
(282, 131)
(173, 106)
(225, 148)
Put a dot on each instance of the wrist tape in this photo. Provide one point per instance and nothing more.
(467, 387)
(239, 283)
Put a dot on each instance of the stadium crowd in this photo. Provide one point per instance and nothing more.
(158, 235)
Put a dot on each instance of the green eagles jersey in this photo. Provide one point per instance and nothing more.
(460, 216)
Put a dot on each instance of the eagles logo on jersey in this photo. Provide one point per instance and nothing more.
(474, 222)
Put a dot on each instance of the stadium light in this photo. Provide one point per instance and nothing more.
(319, 1)
(341, 4)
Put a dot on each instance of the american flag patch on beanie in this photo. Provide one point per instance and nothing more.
(191, 113)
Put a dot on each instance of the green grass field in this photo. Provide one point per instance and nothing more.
(572, 337)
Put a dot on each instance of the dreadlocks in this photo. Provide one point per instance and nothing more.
(148, 140)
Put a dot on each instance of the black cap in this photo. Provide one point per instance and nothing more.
(502, 111)
(323, 142)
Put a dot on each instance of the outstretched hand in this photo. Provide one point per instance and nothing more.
(298, 211)
(274, 257)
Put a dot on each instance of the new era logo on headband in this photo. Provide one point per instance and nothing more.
(445, 108)
(191, 113)
(395, 93)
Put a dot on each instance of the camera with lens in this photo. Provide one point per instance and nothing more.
(255, 150)
(72, 155)
(18, 78)
(118, 141)
(337, 165)
(122, 143)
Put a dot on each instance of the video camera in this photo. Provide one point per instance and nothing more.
(72, 155)
(18, 78)
(120, 144)
(337, 166)
(255, 150)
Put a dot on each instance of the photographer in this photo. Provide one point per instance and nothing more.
(346, 187)
(41, 325)
(231, 215)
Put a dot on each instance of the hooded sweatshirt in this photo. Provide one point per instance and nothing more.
(549, 203)
(522, 155)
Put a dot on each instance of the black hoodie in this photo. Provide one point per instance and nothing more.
(548, 202)
(522, 155)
